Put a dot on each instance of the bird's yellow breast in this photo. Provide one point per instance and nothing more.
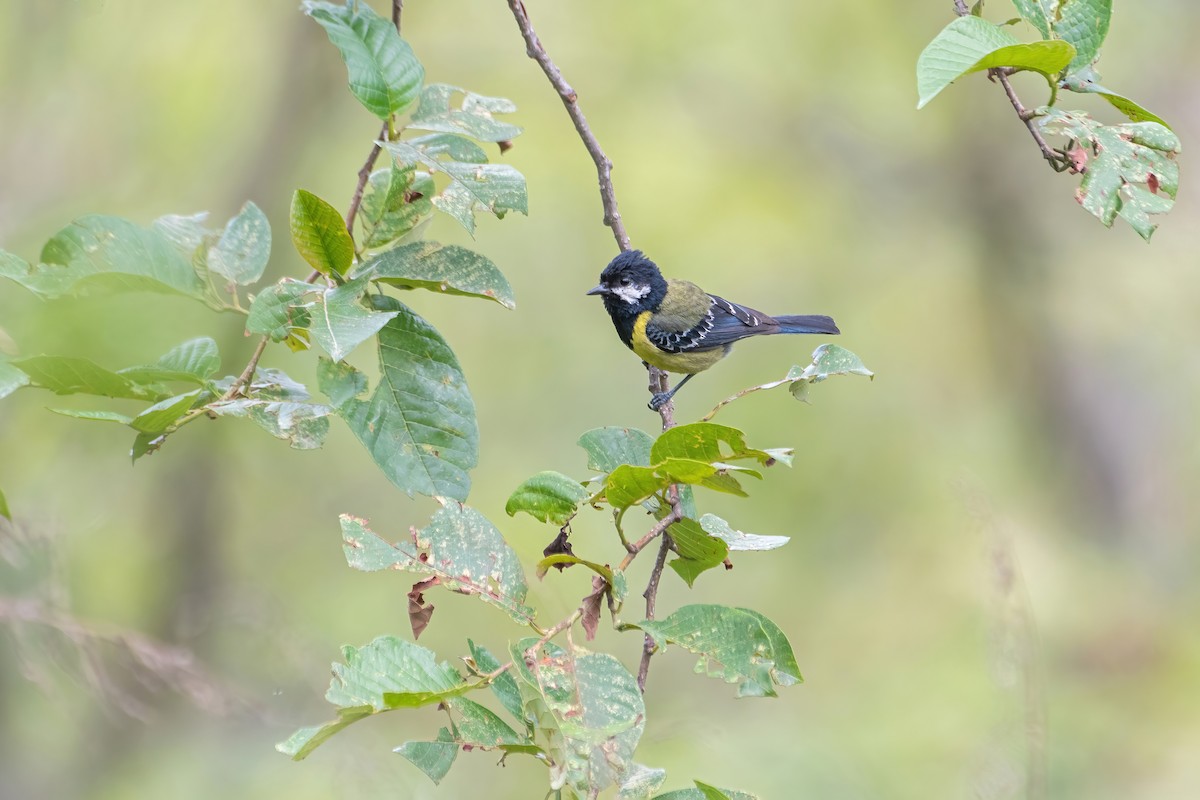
(688, 363)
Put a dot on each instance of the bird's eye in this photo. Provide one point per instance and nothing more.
(625, 281)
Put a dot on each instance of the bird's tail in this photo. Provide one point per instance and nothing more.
(806, 323)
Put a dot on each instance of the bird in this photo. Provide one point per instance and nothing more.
(677, 326)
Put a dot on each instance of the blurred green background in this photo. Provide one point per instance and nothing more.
(993, 551)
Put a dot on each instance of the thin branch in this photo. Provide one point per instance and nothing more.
(559, 627)
(651, 595)
(673, 516)
(534, 49)
(1058, 160)
(364, 174)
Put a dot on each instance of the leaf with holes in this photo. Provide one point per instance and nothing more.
(283, 312)
(735, 644)
(242, 252)
(396, 201)
(447, 269)
(589, 709)
(460, 547)
(302, 425)
(1131, 169)
(475, 117)
(495, 188)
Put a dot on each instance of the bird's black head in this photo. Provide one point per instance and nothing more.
(631, 284)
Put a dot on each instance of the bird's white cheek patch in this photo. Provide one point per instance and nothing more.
(631, 294)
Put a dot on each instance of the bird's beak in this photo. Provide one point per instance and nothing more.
(601, 289)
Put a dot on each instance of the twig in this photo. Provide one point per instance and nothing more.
(558, 628)
(651, 595)
(1058, 160)
(534, 49)
(673, 516)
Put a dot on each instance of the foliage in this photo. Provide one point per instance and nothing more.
(579, 713)
(1129, 170)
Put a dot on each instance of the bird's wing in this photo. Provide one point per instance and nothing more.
(723, 324)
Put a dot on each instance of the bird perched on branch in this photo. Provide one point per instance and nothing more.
(677, 326)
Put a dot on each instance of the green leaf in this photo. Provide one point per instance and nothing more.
(11, 379)
(419, 425)
(970, 44)
(387, 674)
(609, 448)
(474, 118)
(433, 758)
(1086, 81)
(97, 254)
(640, 782)
(186, 232)
(1131, 171)
(828, 360)
(302, 425)
(448, 269)
(1084, 24)
(1034, 12)
(241, 254)
(384, 74)
(460, 547)
(736, 540)
(627, 485)
(735, 644)
(548, 496)
(701, 441)
(588, 707)
(193, 361)
(478, 726)
(94, 416)
(703, 791)
(4, 512)
(698, 552)
(283, 311)
(396, 201)
(69, 375)
(320, 235)
(162, 416)
(340, 322)
(451, 145)
(504, 685)
(495, 188)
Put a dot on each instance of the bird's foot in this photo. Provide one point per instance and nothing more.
(659, 400)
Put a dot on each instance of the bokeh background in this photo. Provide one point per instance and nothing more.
(990, 583)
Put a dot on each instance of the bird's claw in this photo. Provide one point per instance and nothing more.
(659, 400)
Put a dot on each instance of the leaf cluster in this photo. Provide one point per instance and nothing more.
(1129, 169)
